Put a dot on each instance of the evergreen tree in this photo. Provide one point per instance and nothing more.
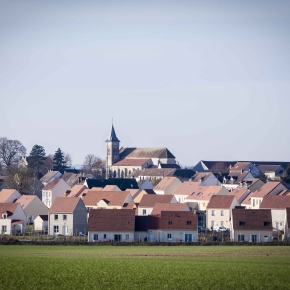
(286, 177)
(36, 158)
(59, 163)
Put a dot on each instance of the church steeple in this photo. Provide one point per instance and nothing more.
(113, 155)
(112, 136)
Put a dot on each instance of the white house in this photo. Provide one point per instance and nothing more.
(168, 185)
(55, 188)
(41, 223)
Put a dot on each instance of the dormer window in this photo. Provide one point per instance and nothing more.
(266, 224)
(4, 216)
(188, 223)
(241, 223)
(170, 222)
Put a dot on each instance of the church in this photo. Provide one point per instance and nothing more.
(122, 162)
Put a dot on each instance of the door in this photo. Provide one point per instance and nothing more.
(188, 238)
(151, 237)
(64, 230)
(265, 238)
(117, 238)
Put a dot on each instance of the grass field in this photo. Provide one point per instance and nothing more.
(129, 267)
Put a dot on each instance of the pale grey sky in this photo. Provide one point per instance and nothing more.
(207, 79)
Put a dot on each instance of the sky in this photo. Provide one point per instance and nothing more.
(209, 80)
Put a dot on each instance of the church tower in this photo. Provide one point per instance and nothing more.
(113, 155)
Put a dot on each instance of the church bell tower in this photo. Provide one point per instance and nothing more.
(113, 145)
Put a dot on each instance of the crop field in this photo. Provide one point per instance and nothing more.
(144, 267)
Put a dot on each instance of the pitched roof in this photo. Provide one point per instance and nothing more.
(64, 204)
(49, 175)
(70, 178)
(113, 198)
(173, 220)
(240, 165)
(269, 168)
(165, 182)
(200, 176)
(111, 188)
(122, 183)
(9, 208)
(145, 153)
(149, 200)
(76, 190)
(204, 193)
(131, 162)
(44, 217)
(158, 207)
(239, 193)
(5, 194)
(153, 172)
(221, 201)
(266, 188)
(249, 219)
(169, 165)
(112, 136)
(182, 173)
(218, 166)
(52, 183)
(247, 200)
(111, 220)
(187, 188)
(25, 200)
(237, 177)
(275, 202)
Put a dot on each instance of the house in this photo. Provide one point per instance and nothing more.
(251, 225)
(241, 167)
(12, 219)
(111, 225)
(240, 194)
(111, 188)
(207, 178)
(287, 232)
(182, 174)
(67, 216)
(200, 198)
(49, 176)
(235, 180)
(219, 210)
(122, 183)
(32, 207)
(76, 190)
(168, 185)
(9, 195)
(55, 188)
(173, 226)
(186, 189)
(216, 167)
(273, 172)
(71, 178)
(254, 184)
(269, 188)
(277, 204)
(107, 199)
(123, 162)
(159, 207)
(152, 174)
(41, 223)
(138, 196)
(148, 202)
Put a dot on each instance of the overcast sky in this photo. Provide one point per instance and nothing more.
(206, 79)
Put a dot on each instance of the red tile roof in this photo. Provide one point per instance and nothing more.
(131, 162)
(275, 202)
(8, 208)
(165, 182)
(200, 176)
(25, 200)
(158, 207)
(238, 193)
(111, 220)
(64, 204)
(239, 166)
(5, 194)
(113, 198)
(76, 190)
(266, 188)
(52, 183)
(149, 200)
(187, 188)
(221, 201)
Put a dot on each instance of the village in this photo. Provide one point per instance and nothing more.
(143, 194)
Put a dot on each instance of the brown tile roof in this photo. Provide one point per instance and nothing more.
(275, 202)
(149, 200)
(250, 219)
(200, 176)
(111, 220)
(187, 188)
(64, 204)
(9, 208)
(239, 166)
(5, 194)
(158, 207)
(77, 190)
(111, 188)
(173, 220)
(25, 200)
(238, 193)
(266, 189)
(284, 192)
(247, 200)
(145, 153)
(221, 201)
(131, 162)
(113, 198)
(161, 172)
(52, 184)
(237, 177)
(164, 183)
(204, 193)
(49, 175)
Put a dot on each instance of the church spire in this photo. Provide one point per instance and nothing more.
(113, 136)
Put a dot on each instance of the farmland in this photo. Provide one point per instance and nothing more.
(135, 267)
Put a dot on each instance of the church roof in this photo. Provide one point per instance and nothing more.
(112, 137)
(145, 153)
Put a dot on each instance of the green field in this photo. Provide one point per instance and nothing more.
(136, 267)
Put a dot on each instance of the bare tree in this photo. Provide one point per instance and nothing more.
(19, 178)
(89, 162)
(10, 151)
(68, 159)
(48, 163)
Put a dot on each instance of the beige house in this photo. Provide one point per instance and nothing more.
(49, 176)
(168, 185)
(111, 225)
(67, 216)
(9, 195)
(185, 189)
(250, 225)
(32, 207)
(76, 190)
(219, 210)
(12, 219)
(240, 194)
(41, 223)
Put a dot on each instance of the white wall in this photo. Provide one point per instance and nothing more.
(110, 236)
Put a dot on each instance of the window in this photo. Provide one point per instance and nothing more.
(56, 216)
(253, 202)
(96, 237)
(170, 222)
(254, 238)
(266, 224)
(55, 229)
(241, 223)
(212, 224)
(127, 237)
(277, 225)
(64, 217)
(105, 236)
(144, 211)
(222, 212)
(241, 238)
(169, 237)
(188, 223)
(4, 229)
(109, 151)
(4, 215)
(222, 223)
(213, 212)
